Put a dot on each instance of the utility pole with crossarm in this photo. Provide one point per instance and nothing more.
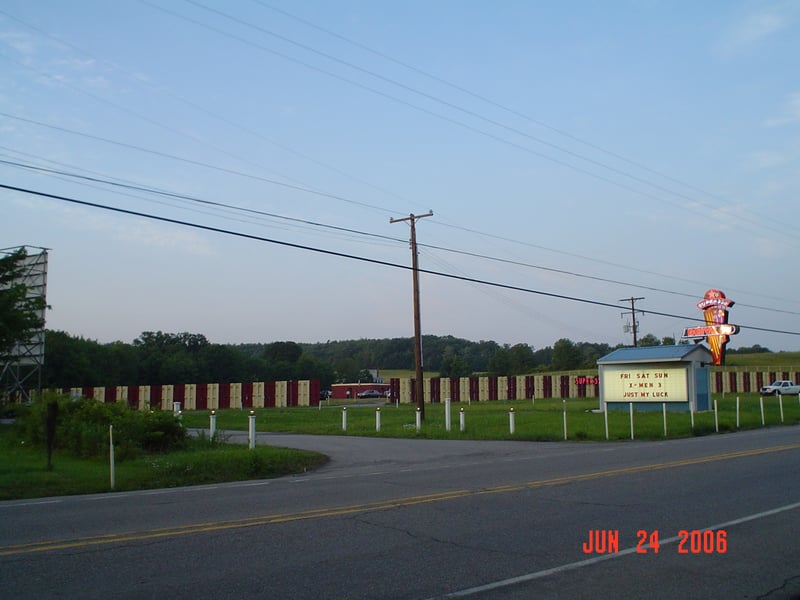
(418, 383)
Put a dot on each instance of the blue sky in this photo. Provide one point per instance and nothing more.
(587, 150)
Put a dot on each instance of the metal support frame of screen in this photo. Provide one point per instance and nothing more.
(22, 371)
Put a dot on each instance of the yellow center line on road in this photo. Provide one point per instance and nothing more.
(319, 513)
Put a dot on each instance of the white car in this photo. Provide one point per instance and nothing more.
(782, 386)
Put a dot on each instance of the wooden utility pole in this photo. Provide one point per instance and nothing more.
(418, 383)
(633, 316)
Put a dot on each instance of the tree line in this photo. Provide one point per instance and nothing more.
(171, 358)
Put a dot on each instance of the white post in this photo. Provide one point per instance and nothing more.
(378, 419)
(212, 426)
(630, 408)
(447, 414)
(780, 403)
(419, 420)
(344, 418)
(511, 421)
(462, 419)
(716, 416)
(605, 416)
(564, 413)
(111, 455)
(533, 399)
(664, 410)
(252, 430)
(761, 401)
(737, 412)
(176, 407)
(691, 413)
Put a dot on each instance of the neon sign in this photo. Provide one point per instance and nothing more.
(717, 330)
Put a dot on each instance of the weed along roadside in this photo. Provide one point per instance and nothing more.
(151, 449)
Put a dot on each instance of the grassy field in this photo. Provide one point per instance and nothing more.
(23, 472)
(539, 421)
(766, 359)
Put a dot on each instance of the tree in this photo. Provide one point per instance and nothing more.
(454, 366)
(20, 316)
(649, 340)
(668, 340)
(566, 355)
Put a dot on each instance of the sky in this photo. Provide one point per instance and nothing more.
(574, 155)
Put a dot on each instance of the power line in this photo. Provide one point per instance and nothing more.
(348, 230)
(139, 79)
(365, 259)
(457, 108)
(483, 98)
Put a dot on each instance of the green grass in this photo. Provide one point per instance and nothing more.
(773, 360)
(23, 472)
(542, 420)
(388, 374)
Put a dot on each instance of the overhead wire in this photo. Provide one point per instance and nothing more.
(481, 97)
(470, 113)
(364, 204)
(364, 259)
(355, 232)
(187, 101)
(474, 231)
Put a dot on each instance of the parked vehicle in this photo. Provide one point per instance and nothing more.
(370, 394)
(782, 386)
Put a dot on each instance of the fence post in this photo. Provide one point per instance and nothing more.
(630, 409)
(511, 424)
(212, 426)
(462, 419)
(737, 412)
(664, 410)
(716, 416)
(419, 420)
(605, 416)
(447, 414)
(564, 413)
(252, 429)
(761, 401)
(780, 403)
(111, 455)
(344, 418)
(378, 419)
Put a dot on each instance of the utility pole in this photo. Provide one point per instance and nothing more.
(418, 383)
(633, 315)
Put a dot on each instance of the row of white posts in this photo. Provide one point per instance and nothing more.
(448, 420)
(512, 416)
(691, 414)
(251, 437)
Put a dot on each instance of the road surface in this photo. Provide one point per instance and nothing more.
(412, 519)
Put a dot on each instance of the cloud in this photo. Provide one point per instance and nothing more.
(19, 41)
(755, 28)
(791, 113)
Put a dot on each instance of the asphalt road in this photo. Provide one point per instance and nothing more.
(432, 519)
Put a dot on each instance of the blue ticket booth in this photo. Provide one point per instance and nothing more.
(651, 376)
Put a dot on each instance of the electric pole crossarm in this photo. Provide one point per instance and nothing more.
(633, 316)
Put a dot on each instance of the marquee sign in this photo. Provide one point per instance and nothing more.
(717, 331)
(645, 383)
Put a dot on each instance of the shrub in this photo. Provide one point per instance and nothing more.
(83, 428)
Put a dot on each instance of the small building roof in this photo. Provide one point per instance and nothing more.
(642, 354)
